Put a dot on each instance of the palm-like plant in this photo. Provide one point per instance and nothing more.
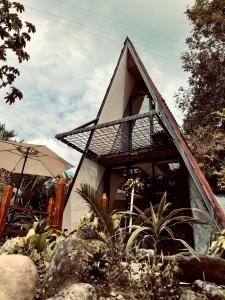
(159, 223)
(32, 184)
(94, 201)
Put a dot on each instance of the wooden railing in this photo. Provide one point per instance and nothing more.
(53, 215)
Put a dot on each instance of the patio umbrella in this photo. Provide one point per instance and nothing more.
(31, 159)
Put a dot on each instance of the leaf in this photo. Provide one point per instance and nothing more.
(142, 215)
(92, 198)
(133, 236)
(162, 206)
(189, 248)
(87, 233)
(19, 7)
(42, 244)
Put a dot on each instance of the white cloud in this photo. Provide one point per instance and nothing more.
(66, 79)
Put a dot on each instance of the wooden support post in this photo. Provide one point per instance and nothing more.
(60, 202)
(4, 208)
(51, 209)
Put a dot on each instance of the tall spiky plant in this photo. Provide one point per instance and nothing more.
(158, 222)
(130, 186)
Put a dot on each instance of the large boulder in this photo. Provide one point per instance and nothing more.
(191, 295)
(210, 290)
(19, 277)
(77, 291)
(67, 266)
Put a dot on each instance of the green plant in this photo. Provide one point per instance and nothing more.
(30, 186)
(104, 217)
(130, 186)
(218, 245)
(158, 225)
(157, 281)
(14, 34)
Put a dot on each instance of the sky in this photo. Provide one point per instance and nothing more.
(73, 55)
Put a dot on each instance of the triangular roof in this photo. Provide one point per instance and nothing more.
(111, 111)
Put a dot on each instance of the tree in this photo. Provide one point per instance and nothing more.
(209, 149)
(6, 134)
(205, 63)
(14, 34)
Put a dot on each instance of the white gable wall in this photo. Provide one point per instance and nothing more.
(91, 173)
(119, 93)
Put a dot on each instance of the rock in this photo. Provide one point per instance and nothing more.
(9, 246)
(210, 290)
(66, 268)
(18, 278)
(77, 291)
(113, 294)
(190, 295)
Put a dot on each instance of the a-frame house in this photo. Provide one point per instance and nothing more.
(135, 135)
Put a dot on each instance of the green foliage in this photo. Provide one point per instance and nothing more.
(159, 225)
(157, 281)
(204, 61)
(14, 34)
(30, 186)
(131, 186)
(218, 246)
(112, 269)
(39, 244)
(208, 145)
(133, 183)
(5, 134)
(103, 216)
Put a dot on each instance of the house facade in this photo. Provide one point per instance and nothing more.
(135, 135)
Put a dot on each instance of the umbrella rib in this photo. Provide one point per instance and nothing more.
(10, 151)
(17, 163)
(55, 158)
(44, 165)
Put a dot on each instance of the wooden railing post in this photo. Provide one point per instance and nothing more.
(4, 208)
(60, 202)
(50, 211)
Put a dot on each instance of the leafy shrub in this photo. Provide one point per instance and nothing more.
(39, 244)
(218, 246)
(158, 225)
(157, 281)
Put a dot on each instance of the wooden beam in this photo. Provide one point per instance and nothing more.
(151, 154)
(29, 210)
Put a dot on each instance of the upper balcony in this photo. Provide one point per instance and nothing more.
(136, 137)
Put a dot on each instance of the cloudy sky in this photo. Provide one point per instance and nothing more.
(73, 55)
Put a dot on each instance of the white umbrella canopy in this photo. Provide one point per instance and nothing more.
(31, 159)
